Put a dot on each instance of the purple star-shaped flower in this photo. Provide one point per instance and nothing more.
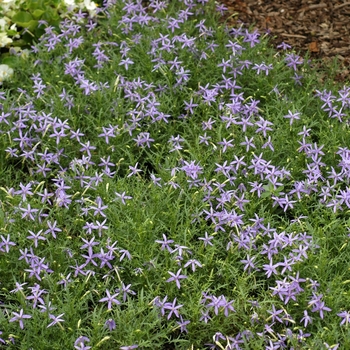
(176, 277)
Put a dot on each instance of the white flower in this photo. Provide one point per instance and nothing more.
(25, 53)
(69, 6)
(90, 6)
(4, 40)
(70, 3)
(3, 24)
(14, 27)
(9, 4)
(5, 72)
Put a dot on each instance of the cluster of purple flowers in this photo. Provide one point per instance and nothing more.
(89, 164)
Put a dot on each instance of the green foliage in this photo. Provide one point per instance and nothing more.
(176, 206)
(27, 18)
(11, 61)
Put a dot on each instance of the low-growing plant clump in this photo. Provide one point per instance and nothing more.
(168, 182)
(22, 21)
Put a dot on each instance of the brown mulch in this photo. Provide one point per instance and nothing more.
(320, 27)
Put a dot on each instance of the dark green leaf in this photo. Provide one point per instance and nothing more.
(11, 61)
(22, 17)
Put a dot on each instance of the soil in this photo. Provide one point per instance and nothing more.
(319, 27)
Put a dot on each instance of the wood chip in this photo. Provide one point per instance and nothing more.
(294, 35)
(317, 6)
(341, 5)
(313, 47)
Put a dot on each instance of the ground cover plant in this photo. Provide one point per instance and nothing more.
(170, 183)
(21, 24)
